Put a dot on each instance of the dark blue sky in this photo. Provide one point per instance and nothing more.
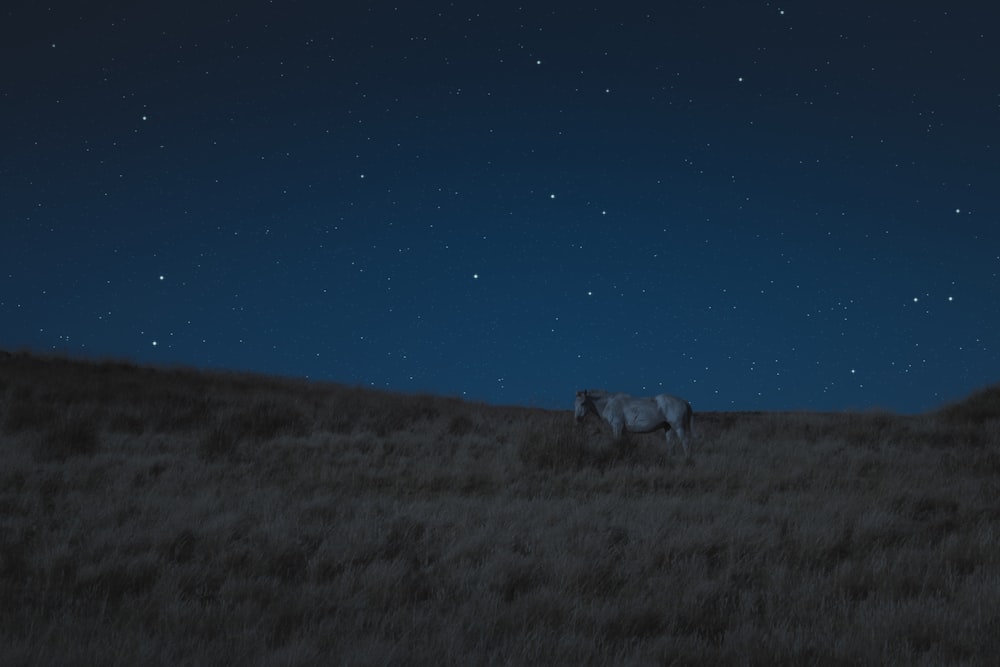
(753, 205)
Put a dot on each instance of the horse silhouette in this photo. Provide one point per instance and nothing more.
(639, 414)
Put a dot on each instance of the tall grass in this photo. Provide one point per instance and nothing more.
(175, 517)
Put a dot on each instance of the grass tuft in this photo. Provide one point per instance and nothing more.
(219, 442)
(977, 409)
(69, 436)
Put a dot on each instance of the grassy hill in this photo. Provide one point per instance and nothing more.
(156, 516)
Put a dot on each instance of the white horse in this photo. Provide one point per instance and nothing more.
(639, 415)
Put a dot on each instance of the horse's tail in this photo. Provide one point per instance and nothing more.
(688, 421)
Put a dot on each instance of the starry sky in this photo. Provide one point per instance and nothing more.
(753, 205)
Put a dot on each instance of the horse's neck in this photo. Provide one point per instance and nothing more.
(603, 406)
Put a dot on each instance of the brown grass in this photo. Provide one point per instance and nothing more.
(175, 517)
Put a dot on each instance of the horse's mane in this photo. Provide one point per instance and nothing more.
(597, 393)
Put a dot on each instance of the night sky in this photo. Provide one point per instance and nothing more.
(753, 205)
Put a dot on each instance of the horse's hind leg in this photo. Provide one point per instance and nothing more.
(681, 434)
(670, 440)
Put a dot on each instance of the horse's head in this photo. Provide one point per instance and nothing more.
(582, 405)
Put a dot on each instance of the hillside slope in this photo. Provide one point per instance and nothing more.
(162, 516)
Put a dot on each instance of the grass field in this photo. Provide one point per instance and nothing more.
(172, 517)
